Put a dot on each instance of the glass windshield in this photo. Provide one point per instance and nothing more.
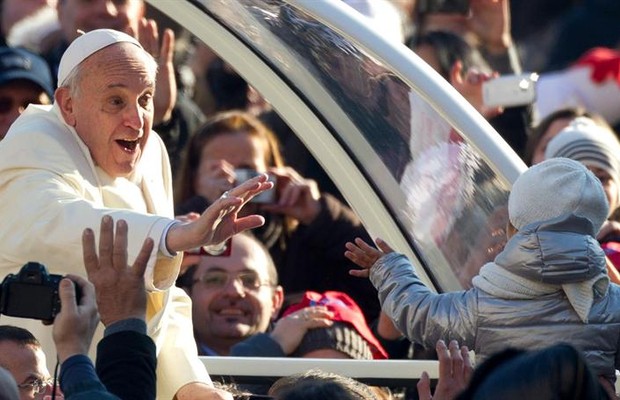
(448, 201)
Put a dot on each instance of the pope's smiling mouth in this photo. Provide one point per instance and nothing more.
(128, 145)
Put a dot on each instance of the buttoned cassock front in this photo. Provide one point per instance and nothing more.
(51, 190)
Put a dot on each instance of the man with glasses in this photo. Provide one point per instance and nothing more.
(235, 299)
(25, 78)
(22, 355)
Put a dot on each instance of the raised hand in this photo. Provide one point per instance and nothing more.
(455, 371)
(364, 255)
(166, 90)
(220, 220)
(298, 197)
(490, 21)
(119, 287)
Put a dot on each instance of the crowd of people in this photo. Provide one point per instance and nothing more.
(188, 220)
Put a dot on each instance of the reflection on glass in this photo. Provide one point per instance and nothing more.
(444, 194)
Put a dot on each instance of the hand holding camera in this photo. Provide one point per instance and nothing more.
(32, 293)
(76, 322)
(297, 197)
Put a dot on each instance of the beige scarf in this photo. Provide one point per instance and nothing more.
(501, 283)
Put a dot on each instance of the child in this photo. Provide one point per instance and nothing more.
(548, 285)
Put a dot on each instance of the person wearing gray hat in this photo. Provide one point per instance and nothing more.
(549, 284)
(25, 79)
(594, 146)
(598, 149)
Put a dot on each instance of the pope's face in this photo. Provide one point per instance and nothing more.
(112, 110)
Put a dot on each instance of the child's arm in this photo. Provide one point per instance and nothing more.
(364, 255)
(422, 315)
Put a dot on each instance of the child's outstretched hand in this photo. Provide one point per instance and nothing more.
(365, 255)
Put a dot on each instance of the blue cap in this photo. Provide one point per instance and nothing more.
(18, 63)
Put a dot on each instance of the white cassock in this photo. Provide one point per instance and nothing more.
(50, 191)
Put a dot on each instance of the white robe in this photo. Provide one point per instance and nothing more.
(50, 191)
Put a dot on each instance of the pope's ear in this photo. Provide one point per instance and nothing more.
(63, 98)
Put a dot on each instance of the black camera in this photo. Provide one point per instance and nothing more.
(443, 6)
(32, 293)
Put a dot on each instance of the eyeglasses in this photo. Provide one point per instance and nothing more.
(221, 279)
(37, 386)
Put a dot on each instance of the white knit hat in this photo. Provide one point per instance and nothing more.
(556, 187)
(87, 44)
(590, 144)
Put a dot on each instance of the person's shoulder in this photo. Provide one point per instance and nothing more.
(39, 139)
(38, 122)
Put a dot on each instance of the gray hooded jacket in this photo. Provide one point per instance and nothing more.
(531, 297)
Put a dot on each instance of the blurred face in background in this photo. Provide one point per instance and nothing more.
(15, 96)
(239, 149)
(15, 10)
(88, 15)
(556, 126)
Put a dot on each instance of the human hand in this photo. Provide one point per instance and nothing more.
(298, 197)
(490, 22)
(166, 89)
(469, 85)
(119, 288)
(455, 371)
(75, 324)
(364, 255)
(220, 220)
(289, 331)
(214, 178)
(199, 390)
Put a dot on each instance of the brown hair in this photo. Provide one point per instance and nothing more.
(223, 123)
(538, 131)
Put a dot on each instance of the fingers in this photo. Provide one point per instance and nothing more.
(119, 253)
(106, 240)
(384, 247)
(251, 187)
(424, 387)
(87, 290)
(249, 222)
(167, 46)
(362, 253)
(148, 35)
(142, 260)
(359, 273)
(91, 262)
(456, 356)
(312, 317)
(443, 355)
(468, 366)
(66, 294)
